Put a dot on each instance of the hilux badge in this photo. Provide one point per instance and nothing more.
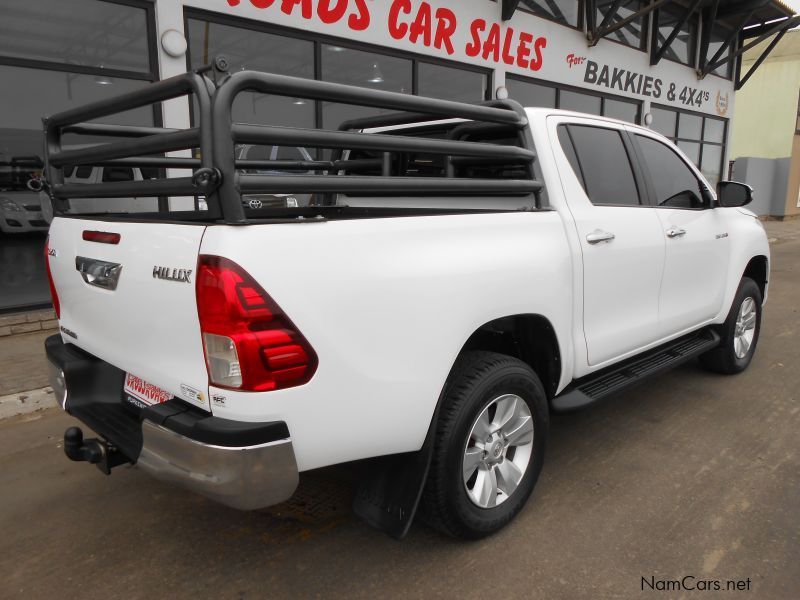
(172, 274)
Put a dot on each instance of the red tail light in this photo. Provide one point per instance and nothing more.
(102, 237)
(249, 342)
(53, 292)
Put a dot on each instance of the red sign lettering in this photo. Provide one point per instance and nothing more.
(515, 48)
(420, 24)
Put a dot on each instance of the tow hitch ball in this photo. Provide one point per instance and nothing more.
(95, 451)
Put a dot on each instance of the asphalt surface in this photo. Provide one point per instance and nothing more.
(691, 474)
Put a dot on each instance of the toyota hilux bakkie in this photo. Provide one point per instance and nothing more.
(459, 272)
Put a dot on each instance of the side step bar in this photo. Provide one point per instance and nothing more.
(617, 378)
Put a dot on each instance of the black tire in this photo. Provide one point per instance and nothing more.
(477, 380)
(723, 358)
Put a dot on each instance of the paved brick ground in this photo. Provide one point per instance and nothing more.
(23, 365)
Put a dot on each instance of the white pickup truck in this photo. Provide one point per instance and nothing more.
(461, 271)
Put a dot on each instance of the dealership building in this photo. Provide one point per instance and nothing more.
(672, 65)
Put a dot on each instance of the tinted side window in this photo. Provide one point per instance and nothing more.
(674, 183)
(605, 168)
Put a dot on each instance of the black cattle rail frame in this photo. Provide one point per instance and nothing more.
(221, 178)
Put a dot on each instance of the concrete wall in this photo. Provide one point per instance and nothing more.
(766, 107)
(793, 188)
(768, 178)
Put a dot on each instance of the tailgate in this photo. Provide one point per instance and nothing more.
(147, 325)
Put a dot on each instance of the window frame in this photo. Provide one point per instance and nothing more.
(648, 177)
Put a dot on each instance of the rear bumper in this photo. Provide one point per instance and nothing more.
(243, 465)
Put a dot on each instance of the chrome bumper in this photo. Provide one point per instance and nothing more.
(246, 477)
(243, 465)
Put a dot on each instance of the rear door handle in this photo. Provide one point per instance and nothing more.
(598, 236)
(674, 232)
(99, 273)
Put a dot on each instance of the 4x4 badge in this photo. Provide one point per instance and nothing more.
(173, 274)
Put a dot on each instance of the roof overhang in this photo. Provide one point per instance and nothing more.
(746, 23)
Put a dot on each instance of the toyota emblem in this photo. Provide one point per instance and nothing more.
(255, 203)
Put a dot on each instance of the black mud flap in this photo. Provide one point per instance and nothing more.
(391, 486)
(390, 490)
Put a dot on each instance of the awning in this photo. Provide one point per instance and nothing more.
(746, 23)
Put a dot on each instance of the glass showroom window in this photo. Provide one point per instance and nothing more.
(439, 81)
(565, 12)
(259, 51)
(702, 138)
(362, 68)
(682, 48)
(530, 93)
(261, 47)
(83, 50)
(85, 33)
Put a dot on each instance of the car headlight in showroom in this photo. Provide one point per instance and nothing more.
(10, 205)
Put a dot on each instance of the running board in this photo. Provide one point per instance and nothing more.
(629, 373)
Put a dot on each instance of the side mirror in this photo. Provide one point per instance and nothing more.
(733, 193)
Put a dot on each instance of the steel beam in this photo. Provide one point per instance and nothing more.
(732, 36)
(508, 9)
(321, 138)
(740, 81)
(783, 25)
(165, 142)
(595, 35)
(657, 54)
(709, 17)
(360, 184)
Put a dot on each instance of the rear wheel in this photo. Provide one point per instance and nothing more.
(739, 332)
(489, 446)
